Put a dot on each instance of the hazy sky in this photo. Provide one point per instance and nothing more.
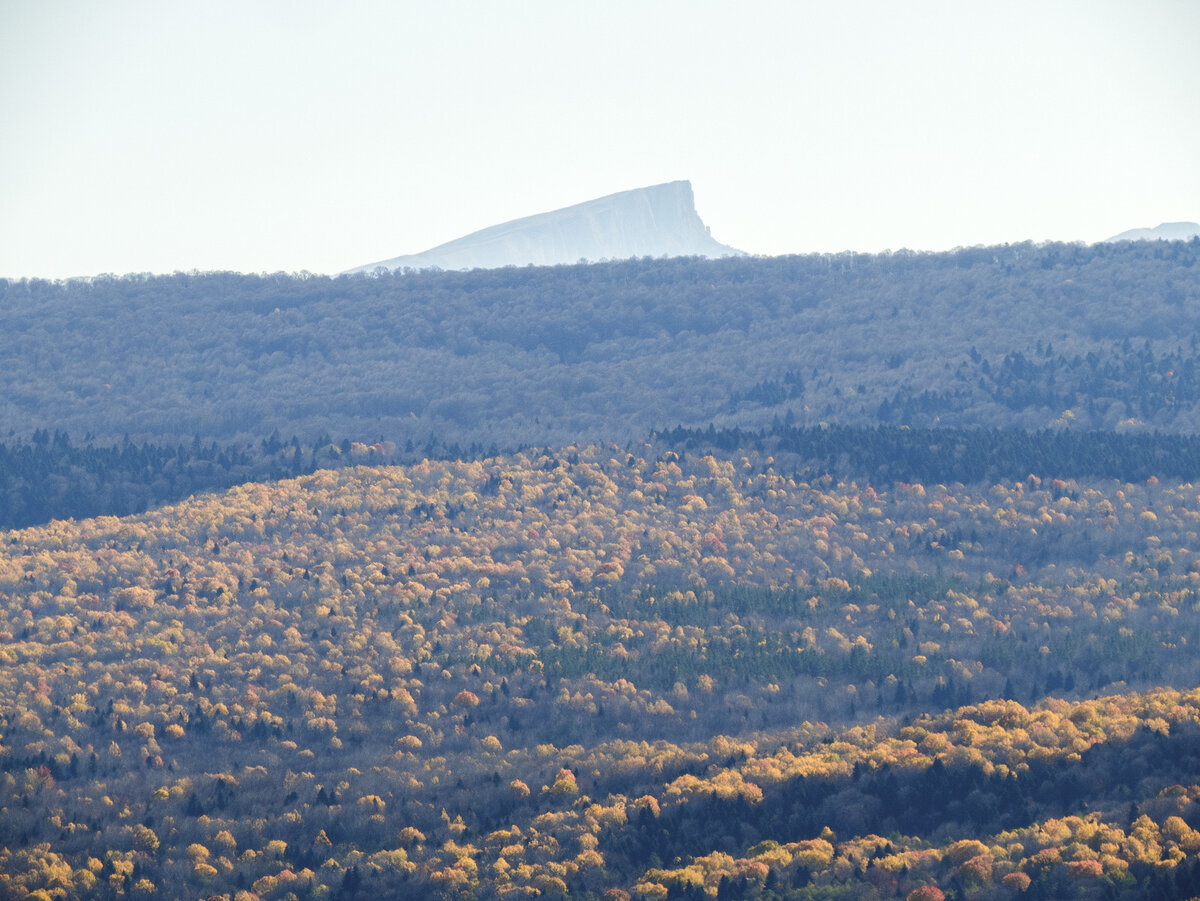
(160, 136)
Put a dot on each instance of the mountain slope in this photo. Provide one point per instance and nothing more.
(992, 337)
(563, 673)
(656, 221)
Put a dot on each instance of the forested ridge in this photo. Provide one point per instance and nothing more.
(1014, 336)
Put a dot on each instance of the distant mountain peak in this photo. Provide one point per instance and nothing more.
(1167, 231)
(657, 221)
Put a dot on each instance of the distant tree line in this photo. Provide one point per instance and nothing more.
(885, 453)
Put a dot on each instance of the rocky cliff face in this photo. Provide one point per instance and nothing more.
(656, 221)
(1168, 231)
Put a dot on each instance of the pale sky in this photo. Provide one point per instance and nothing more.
(286, 136)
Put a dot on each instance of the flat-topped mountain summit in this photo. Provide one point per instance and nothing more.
(656, 221)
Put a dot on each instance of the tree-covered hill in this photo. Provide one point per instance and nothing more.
(613, 674)
(1021, 335)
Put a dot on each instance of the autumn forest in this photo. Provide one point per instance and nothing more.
(852, 619)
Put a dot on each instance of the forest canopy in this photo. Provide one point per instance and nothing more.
(1029, 336)
(824, 577)
(595, 670)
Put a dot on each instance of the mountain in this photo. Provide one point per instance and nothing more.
(1167, 231)
(647, 222)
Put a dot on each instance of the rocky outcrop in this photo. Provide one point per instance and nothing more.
(1168, 231)
(655, 222)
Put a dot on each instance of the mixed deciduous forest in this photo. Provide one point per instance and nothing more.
(576, 671)
(1029, 336)
(854, 577)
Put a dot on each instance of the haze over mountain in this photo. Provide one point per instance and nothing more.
(1167, 231)
(656, 221)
